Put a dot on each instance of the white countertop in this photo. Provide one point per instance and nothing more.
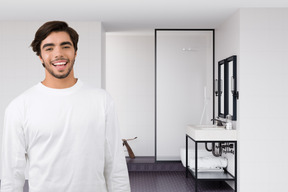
(210, 133)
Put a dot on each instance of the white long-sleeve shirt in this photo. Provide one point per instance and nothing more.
(70, 137)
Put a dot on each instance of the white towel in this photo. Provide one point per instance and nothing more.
(209, 162)
(191, 155)
(209, 170)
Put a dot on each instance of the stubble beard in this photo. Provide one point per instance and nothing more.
(59, 76)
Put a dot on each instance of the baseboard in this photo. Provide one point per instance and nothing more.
(149, 164)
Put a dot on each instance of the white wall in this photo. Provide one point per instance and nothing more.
(130, 80)
(181, 79)
(20, 68)
(263, 99)
(262, 105)
(91, 52)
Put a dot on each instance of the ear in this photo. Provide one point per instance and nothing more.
(42, 61)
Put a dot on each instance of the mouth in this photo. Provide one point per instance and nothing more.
(60, 64)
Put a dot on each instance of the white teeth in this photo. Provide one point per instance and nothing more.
(61, 63)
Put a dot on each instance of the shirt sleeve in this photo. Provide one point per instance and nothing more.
(13, 152)
(116, 173)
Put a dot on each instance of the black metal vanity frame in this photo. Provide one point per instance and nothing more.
(223, 176)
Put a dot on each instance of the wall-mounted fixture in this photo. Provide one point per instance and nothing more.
(186, 49)
(216, 87)
(233, 90)
(227, 102)
(190, 49)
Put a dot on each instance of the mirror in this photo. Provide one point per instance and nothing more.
(220, 89)
(232, 86)
(227, 87)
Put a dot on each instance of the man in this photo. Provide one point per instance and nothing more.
(66, 129)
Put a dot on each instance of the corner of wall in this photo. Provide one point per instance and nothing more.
(103, 57)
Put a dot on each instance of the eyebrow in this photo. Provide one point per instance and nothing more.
(48, 45)
(52, 44)
(66, 43)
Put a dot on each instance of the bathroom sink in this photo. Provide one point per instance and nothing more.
(213, 127)
(210, 132)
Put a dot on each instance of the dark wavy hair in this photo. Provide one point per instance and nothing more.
(49, 27)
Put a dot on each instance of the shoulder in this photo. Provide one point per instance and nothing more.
(19, 102)
(88, 88)
(96, 93)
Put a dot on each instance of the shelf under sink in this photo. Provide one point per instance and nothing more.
(212, 175)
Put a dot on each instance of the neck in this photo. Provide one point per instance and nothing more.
(56, 83)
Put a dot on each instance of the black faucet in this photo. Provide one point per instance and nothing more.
(219, 122)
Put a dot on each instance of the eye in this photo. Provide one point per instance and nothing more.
(49, 49)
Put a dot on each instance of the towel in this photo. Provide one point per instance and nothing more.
(191, 155)
(209, 162)
(208, 170)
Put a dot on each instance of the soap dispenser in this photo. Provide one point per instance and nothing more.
(228, 122)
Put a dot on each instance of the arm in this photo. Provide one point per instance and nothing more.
(13, 152)
(116, 173)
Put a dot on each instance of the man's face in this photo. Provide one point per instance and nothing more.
(58, 54)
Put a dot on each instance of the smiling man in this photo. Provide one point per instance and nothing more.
(59, 67)
(66, 129)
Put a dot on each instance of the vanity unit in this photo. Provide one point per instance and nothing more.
(211, 134)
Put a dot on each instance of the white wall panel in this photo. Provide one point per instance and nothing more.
(181, 80)
(130, 80)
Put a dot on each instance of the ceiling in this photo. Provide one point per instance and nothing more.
(127, 15)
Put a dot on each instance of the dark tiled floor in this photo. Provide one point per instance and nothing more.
(147, 176)
(147, 159)
(168, 181)
(149, 164)
(172, 181)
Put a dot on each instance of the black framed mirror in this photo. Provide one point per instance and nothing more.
(222, 95)
(227, 87)
(233, 94)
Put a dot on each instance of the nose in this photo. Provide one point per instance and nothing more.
(58, 52)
